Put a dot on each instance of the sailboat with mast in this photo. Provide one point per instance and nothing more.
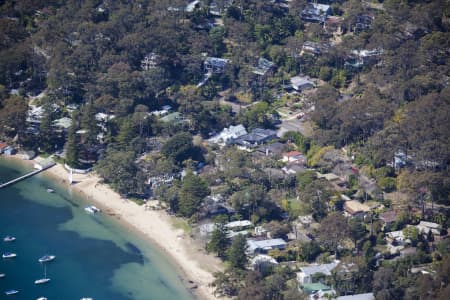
(45, 279)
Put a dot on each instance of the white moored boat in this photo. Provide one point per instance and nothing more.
(9, 255)
(9, 238)
(43, 280)
(11, 292)
(47, 258)
(41, 298)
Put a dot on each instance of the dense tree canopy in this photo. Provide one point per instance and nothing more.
(193, 190)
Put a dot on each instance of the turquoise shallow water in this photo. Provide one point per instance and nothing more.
(95, 256)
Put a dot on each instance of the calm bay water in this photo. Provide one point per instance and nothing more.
(95, 256)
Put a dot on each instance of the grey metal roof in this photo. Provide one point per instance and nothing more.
(216, 62)
(265, 244)
(324, 269)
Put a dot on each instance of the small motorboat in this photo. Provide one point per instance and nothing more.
(9, 255)
(92, 209)
(42, 280)
(9, 238)
(50, 191)
(42, 298)
(11, 292)
(45, 279)
(47, 258)
(2, 275)
(87, 298)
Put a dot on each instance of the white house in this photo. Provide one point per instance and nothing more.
(306, 273)
(315, 12)
(424, 227)
(356, 209)
(294, 156)
(366, 296)
(239, 224)
(395, 236)
(301, 83)
(262, 261)
(263, 246)
(228, 134)
(215, 65)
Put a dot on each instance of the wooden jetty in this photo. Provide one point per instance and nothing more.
(32, 173)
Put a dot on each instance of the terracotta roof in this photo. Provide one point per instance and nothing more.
(354, 206)
(292, 153)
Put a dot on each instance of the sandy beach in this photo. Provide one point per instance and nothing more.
(196, 266)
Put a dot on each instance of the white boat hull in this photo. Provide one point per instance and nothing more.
(41, 281)
(47, 258)
(11, 292)
(9, 239)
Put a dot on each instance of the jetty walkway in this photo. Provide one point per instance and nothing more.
(32, 173)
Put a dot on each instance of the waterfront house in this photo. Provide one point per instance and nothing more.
(263, 67)
(367, 56)
(362, 22)
(239, 225)
(262, 263)
(255, 138)
(228, 134)
(215, 65)
(307, 273)
(365, 296)
(395, 236)
(313, 48)
(274, 149)
(294, 157)
(395, 241)
(355, 209)
(315, 12)
(317, 291)
(264, 246)
(328, 176)
(215, 205)
(301, 83)
(425, 227)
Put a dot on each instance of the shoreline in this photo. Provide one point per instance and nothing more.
(195, 267)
